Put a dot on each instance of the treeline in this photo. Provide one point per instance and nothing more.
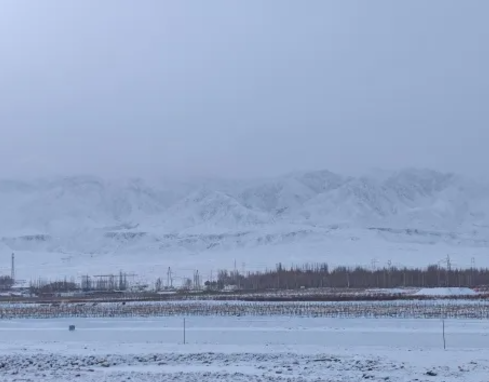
(6, 283)
(321, 276)
(107, 283)
(298, 277)
(40, 287)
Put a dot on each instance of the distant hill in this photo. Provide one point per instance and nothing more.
(296, 214)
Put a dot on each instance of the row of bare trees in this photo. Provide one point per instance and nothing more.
(41, 287)
(306, 276)
(88, 284)
(320, 275)
(107, 283)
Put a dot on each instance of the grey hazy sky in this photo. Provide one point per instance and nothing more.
(242, 88)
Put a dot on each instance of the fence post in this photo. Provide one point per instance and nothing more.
(184, 339)
(444, 342)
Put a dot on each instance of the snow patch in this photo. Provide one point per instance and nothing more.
(446, 292)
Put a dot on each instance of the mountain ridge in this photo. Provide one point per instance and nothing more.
(92, 215)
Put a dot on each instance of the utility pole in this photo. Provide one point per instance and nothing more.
(235, 275)
(449, 269)
(389, 268)
(374, 268)
(197, 280)
(472, 266)
(169, 280)
(12, 270)
(243, 275)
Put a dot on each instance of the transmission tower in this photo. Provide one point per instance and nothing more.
(169, 279)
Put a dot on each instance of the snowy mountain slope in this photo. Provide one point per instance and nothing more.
(276, 196)
(78, 216)
(74, 203)
(358, 201)
(212, 209)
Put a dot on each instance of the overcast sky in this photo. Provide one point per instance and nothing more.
(242, 88)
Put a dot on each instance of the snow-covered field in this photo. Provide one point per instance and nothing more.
(358, 250)
(243, 349)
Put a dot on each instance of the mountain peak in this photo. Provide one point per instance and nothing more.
(408, 199)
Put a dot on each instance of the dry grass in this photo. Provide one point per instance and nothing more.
(375, 309)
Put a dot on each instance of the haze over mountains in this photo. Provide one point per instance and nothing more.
(82, 216)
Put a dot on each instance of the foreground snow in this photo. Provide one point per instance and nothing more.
(243, 364)
(243, 349)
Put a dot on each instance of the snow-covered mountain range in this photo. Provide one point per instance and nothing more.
(300, 216)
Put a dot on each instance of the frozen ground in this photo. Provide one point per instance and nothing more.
(243, 349)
